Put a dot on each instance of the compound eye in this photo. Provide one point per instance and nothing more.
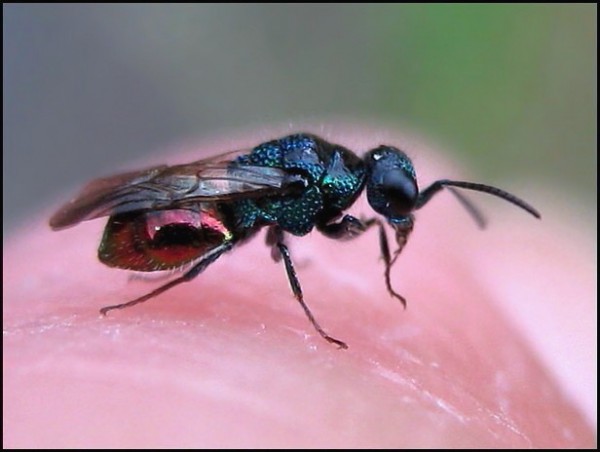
(399, 191)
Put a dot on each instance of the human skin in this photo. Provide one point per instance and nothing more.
(230, 360)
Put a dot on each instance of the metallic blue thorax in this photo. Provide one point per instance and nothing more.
(334, 178)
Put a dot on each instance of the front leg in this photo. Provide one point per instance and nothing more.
(350, 227)
(403, 227)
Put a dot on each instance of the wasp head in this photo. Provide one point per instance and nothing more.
(391, 183)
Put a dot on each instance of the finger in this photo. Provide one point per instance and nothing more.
(230, 360)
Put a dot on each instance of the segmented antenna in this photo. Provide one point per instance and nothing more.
(426, 195)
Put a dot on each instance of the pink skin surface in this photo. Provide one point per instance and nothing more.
(230, 360)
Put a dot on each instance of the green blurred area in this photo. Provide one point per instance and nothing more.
(87, 87)
(504, 83)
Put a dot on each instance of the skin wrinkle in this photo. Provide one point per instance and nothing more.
(230, 360)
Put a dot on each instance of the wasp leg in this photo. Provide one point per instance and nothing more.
(198, 268)
(347, 228)
(350, 227)
(271, 240)
(403, 229)
(277, 235)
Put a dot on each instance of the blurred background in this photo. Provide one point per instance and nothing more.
(89, 88)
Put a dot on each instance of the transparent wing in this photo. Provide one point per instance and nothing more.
(214, 179)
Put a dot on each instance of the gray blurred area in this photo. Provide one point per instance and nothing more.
(88, 88)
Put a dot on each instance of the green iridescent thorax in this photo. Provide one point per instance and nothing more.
(334, 177)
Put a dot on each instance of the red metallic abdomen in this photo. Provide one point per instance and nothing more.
(161, 240)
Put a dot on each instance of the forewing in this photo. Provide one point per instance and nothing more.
(161, 187)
